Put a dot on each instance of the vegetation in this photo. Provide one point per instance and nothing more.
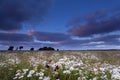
(11, 48)
(60, 65)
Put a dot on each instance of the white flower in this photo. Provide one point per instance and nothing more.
(55, 72)
(83, 78)
(14, 78)
(44, 63)
(95, 69)
(46, 78)
(41, 74)
(71, 68)
(29, 75)
(17, 61)
(79, 78)
(40, 77)
(18, 74)
(25, 70)
(66, 72)
(21, 77)
(11, 61)
(116, 73)
(102, 69)
(42, 70)
(95, 78)
(18, 71)
(31, 72)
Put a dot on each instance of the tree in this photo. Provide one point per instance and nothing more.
(20, 47)
(57, 49)
(46, 48)
(50, 48)
(31, 49)
(11, 48)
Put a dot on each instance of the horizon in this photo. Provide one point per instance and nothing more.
(61, 24)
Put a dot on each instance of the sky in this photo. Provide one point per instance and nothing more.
(61, 24)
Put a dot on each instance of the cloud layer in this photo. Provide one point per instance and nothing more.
(15, 12)
(48, 36)
(15, 37)
(97, 23)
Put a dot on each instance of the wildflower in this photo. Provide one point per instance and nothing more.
(47, 66)
(40, 78)
(79, 78)
(21, 77)
(66, 72)
(25, 70)
(55, 72)
(56, 68)
(14, 78)
(95, 69)
(71, 68)
(31, 72)
(40, 74)
(18, 71)
(50, 61)
(83, 78)
(95, 78)
(102, 69)
(42, 70)
(46, 78)
(18, 74)
(44, 63)
(116, 73)
(29, 75)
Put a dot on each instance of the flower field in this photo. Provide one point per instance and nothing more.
(60, 65)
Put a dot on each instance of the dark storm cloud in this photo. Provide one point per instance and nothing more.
(97, 23)
(14, 37)
(15, 12)
(48, 36)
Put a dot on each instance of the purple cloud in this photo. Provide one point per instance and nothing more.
(48, 36)
(97, 23)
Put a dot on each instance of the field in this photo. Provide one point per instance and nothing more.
(60, 65)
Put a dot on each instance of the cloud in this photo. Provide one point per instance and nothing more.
(28, 41)
(97, 23)
(48, 36)
(93, 42)
(15, 12)
(15, 37)
(108, 38)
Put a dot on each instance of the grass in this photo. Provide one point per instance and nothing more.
(60, 65)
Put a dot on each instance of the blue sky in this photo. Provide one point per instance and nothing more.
(63, 24)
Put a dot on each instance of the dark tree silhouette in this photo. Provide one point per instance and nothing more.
(50, 48)
(31, 49)
(46, 48)
(57, 49)
(11, 48)
(20, 47)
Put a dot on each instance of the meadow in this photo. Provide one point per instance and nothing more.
(60, 65)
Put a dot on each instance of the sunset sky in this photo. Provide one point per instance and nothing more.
(62, 24)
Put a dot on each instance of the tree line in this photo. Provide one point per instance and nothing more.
(11, 48)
